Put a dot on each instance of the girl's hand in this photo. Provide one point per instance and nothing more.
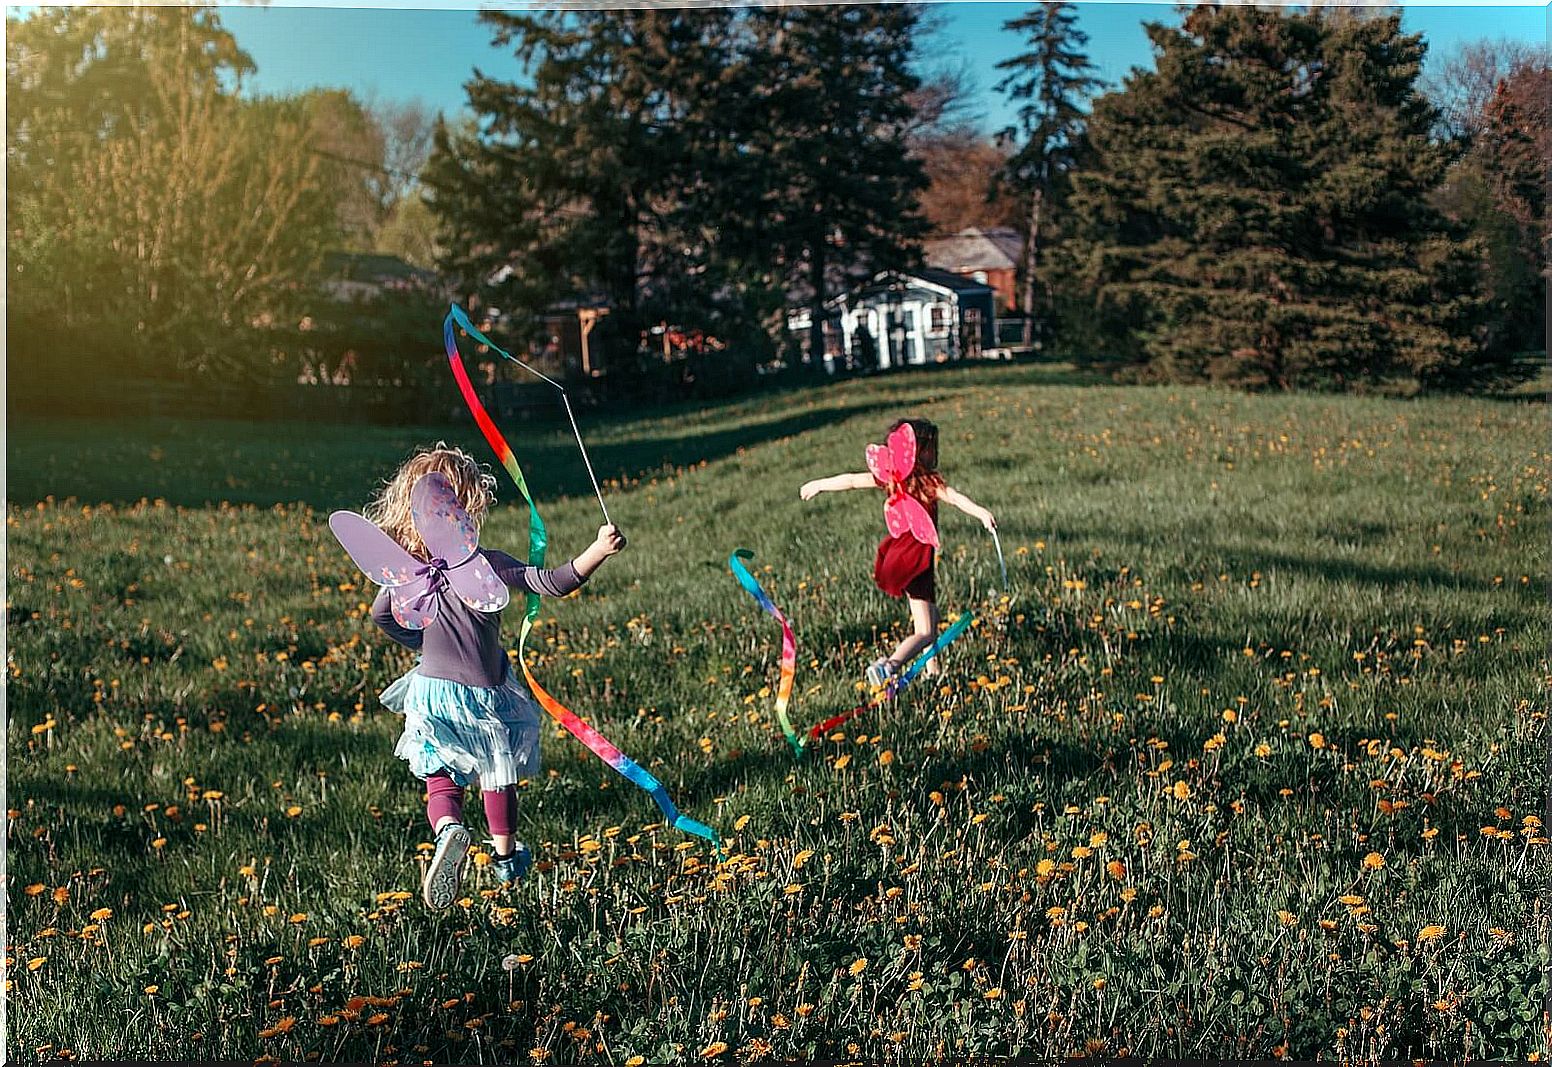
(988, 521)
(610, 541)
(809, 490)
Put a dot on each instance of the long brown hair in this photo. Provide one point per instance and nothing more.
(924, 482)
(390, 509)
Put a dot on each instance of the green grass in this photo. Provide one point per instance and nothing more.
(1250, 642)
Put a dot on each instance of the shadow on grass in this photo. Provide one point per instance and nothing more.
(194, 464)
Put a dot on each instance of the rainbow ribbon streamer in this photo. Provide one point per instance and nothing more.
(945, 639)
(538, 542)
(789, 644)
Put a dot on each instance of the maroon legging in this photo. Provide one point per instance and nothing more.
(444, 797)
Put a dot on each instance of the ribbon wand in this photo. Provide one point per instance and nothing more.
(997, 541)
(462, 319)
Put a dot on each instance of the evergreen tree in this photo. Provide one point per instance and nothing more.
(585, 178)
(827, 185)
(1258, 211)
(1053, 80)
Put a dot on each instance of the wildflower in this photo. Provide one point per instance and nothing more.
(510, 963)
(1373, 861)
(102, 914)
(991, 994)
(1430, 933)
(282, 1027)
(713, 1050)
(353, 941)
(1117, 869)
(1182, 791)
(1287, 918)
(858, 966)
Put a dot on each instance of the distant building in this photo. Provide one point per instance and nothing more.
(990, 257)
(905, 318)
(364, 275)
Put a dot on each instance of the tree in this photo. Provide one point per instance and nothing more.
(1054, 80)
(1258, 210)
(1494, 96)
(964, 187)
(157, 209)
(828, 182)
(584, 179)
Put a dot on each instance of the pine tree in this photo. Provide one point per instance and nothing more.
(1258, 211)
(585, 178)
(829, 185)
(1054, 81)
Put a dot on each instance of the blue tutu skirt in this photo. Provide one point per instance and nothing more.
(473, 734)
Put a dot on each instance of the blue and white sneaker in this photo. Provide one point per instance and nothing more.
(880, 672)
(444, 875)
(511, 868)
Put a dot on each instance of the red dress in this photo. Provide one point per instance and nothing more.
(904, 566)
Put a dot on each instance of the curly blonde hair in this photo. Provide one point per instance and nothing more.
(390, 509)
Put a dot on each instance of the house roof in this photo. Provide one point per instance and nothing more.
(998, 248)
(372, 267)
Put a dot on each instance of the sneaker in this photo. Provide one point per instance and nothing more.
(880, 671)
(511, 868)
(444, 875)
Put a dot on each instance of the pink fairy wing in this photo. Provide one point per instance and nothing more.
(879, 464)
(448, 532)
(902, 449)
(904, 514)
(385, 562)
(477, 585)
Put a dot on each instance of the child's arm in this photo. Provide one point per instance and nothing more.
(954, 498)
(835, 483)
(562, 580)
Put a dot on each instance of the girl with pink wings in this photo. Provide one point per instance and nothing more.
(905, 467)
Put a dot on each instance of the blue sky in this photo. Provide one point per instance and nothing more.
(398, 55)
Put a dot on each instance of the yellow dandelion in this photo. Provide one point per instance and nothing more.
(102, 914)
(858, 966)
(1373, 861)
(1430, 933)
(716, 1048)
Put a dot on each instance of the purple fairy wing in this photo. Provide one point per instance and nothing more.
(379, 556)
(477, 585)
(384, 561)
(413, 607)
(450, 535)
(448, 532)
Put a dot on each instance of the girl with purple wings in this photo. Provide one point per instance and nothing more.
(467, 717)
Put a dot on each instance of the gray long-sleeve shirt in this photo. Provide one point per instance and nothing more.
(464, 645)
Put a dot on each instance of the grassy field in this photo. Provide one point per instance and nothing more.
(1248, 762)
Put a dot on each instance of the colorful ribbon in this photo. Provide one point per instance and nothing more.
(538, 542)
(789, 644)
(891, 690)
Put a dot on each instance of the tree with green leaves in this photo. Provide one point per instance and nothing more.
(830, 186)
(1258, 210)
(584, 178)
(147, 203)
(1052, 82)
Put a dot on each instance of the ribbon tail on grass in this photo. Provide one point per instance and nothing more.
(538, 544)
(789, 644)
(946, 638)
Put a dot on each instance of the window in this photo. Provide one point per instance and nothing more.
(941, 317)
